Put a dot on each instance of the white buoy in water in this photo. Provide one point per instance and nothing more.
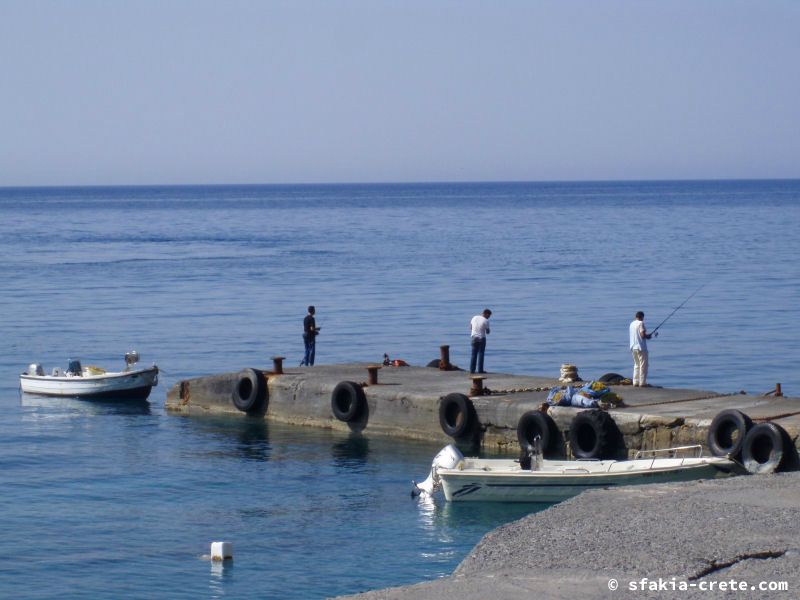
(221, 551)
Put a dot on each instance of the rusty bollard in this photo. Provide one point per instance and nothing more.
(778, 391)
(444, 360)
(277, 362)
(372, 374)
(477, 385)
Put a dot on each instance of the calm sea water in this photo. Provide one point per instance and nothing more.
(123, 501)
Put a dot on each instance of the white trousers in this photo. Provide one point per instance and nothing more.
(639, 367)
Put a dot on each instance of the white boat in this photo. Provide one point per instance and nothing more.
(550, 481)
(92, 382)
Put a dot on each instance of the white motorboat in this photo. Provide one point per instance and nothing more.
(550, 481)
(92, 382)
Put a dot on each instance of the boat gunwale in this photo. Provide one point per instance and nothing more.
(697, 463)
(93, 378)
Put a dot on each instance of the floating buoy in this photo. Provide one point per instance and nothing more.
(221, 551)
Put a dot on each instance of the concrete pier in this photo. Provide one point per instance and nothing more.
(405, 402)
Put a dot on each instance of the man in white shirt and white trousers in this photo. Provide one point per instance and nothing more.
(638, 345)
(480, 329)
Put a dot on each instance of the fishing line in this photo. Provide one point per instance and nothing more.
(654, 332)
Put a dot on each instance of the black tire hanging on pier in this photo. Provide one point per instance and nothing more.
(348, 401)
(457, 416)
(593, 434)
(765, 449)
(533, 423)
(249, 391)
(727, 433)
(612, 378)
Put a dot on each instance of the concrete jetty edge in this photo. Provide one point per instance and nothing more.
(405, 403)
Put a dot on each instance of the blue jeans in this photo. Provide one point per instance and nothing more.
(478, 348)
(310, 342)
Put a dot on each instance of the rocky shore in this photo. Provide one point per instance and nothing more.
(732, 538)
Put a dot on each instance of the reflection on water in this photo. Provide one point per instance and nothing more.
(52, 405)
(351, 452)
(253, 435)
(221, 571)
(445, 518)
(238, 436)
(469, 513)
(427, 511)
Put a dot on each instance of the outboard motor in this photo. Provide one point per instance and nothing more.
(74, 367)
(449, 457)
(536, 459)
(525, 454)
(530, 457)
(131, 358)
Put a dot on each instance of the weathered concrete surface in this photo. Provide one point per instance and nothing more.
(405, 403)
(203, 394)
(703, 533)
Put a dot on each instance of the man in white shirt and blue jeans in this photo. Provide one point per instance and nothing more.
(480, 329)
(638, 345)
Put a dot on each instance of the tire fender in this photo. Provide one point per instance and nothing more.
(611, 378)
(593, 434)
(249, 391)
(727, 433)
(533, 423)
(457, 415)
(764, 449)
(348, 401)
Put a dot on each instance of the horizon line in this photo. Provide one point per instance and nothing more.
(394, 183)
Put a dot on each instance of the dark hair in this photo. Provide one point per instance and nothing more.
(487, 313)
(311, 309)
(640, 315)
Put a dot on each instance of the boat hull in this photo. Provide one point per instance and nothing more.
(549, 486)
(132, 385)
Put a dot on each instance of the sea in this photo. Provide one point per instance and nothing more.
(122, 500)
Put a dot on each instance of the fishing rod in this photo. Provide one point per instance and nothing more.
(654, 332)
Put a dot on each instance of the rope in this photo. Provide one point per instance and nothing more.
(488, 392)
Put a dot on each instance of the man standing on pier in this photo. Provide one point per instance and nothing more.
(310, 332)
(480, 329)
(638, 345)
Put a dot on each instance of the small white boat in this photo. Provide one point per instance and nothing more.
(550, 481)
(92, 382)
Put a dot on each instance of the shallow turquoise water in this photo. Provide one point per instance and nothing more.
(123, 501)
(108, 501)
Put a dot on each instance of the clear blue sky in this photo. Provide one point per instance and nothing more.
(112, 92)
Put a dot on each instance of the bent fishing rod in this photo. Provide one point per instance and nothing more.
(654, 332)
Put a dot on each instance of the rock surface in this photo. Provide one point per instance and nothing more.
(704, 535)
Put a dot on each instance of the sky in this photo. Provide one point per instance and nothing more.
(181, 92)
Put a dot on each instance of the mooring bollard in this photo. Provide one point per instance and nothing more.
(372, 372)
(444, 361)
(778, 391)
(277, 362)
(477, 385)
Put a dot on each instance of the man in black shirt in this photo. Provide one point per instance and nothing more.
(310, 332)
